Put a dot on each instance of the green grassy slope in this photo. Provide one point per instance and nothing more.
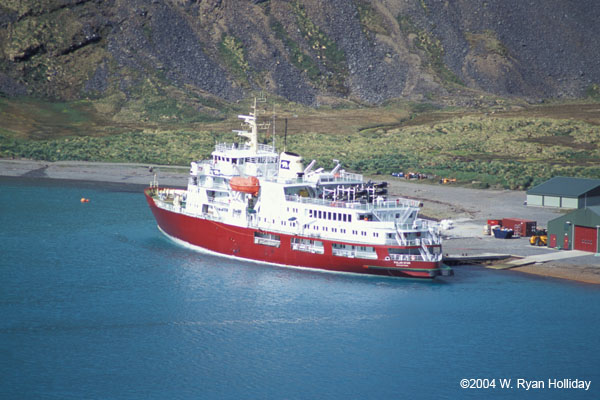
(514, 148)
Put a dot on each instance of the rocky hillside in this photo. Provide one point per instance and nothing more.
(160, 53)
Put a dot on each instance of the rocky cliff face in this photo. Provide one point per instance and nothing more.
(307, 51)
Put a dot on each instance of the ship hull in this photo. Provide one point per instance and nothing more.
(239, 242)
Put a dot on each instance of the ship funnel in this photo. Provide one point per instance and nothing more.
(290, 165)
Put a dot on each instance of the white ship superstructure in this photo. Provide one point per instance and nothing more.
(251, 202)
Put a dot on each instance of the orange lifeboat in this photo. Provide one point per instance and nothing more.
(245, 185)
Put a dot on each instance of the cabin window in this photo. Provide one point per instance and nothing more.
(300, 191)
(346, 250)
(410, 251)
(320, 214)
(266, 239)
(307, 245)
(329, 215)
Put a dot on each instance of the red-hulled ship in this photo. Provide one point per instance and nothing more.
(252, 203)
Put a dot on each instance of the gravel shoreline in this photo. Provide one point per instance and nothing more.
(468, 208)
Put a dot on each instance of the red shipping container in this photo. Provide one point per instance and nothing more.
(521, 227)
(492, 222)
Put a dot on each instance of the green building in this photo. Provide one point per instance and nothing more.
(565, 192)
(579, 230)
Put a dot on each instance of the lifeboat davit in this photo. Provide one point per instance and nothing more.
(245, 185)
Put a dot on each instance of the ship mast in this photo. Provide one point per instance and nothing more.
(251, 131)
(252, 134)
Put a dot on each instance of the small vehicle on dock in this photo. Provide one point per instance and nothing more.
(539, 238)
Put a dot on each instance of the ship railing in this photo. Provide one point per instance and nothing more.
(406, 257)
(431, 241)
(212, 217)
(354, 254)
(414, 257)
(418, 225)
(170, 206)
(355, 205)
(397, 203)
(308, 248)
(203, 183)
(414, 242)
(267, 242)
(343, 253)
(267, 148)
(261, 148)
(341, 176)
(345, 177)
(366, 254)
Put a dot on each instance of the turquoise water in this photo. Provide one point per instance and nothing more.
(97, 304)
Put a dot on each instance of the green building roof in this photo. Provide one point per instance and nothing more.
(565, 186)
(589, 216)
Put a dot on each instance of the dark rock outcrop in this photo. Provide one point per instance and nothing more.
(307, 51)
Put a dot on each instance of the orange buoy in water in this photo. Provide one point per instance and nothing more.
(84, 200)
